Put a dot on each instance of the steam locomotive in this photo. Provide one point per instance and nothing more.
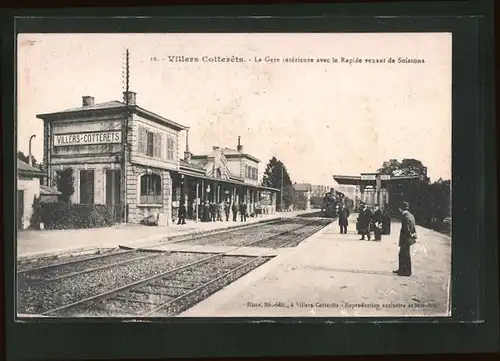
(332, 201)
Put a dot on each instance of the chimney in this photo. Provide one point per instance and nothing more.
(187, 153)
(240, 147)
(87, 101)
(130, 96)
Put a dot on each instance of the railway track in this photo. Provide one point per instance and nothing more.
(170, 292)
(52, 271)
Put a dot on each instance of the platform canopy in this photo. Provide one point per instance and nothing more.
(365, 179)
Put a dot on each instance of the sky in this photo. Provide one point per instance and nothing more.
(319, 118)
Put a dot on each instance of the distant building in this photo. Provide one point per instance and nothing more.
(319, 190)
(29, 190)
(304, 195)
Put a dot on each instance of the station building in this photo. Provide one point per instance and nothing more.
(145, 175)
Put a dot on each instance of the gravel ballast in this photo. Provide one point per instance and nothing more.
(43, 297)
(82, 265)
(27, 264)
(147, 297)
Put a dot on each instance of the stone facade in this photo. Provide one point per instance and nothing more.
(152, 149)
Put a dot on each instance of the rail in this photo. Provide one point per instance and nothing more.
(192, 265)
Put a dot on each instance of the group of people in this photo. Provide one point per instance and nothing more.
(377, 221)
(213, 212)
(380, 223)
(374, 221)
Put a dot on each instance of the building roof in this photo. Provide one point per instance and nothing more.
(25, 168)
(302, 187)
(47, 191)
(114, 105)
(356, 180)
(191, 166)
(228, 152)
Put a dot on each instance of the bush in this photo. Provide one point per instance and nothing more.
(71, 216)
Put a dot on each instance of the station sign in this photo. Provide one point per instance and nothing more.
(88, 138)
(368, 176)
(385, 176)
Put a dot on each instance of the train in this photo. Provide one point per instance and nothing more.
(332, 201)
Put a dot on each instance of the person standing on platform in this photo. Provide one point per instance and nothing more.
(181, 214)
(407, 238)
(226, 210)
(365, 219)
(377, 223)
(220, 208)
(213, 211)
(243, 212)
(343, 218)
(235, 211)
(205, 212)
(386, 220)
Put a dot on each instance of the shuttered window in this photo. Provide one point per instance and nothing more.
(170, 148)
(150, 143)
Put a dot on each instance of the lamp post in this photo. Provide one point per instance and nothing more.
(30, 157)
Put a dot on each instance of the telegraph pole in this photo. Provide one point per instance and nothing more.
(281, 202)
(125, 137)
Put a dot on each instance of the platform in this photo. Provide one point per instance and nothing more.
(42, 243)
(337, 275)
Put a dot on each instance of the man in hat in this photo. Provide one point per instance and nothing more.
(377, 223)
(365, 219)
(407, 237)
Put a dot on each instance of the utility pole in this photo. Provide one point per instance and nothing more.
(281, 202)
(125, 137)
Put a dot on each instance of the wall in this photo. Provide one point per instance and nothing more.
(142, 159)
(237, 166)
(99, 178)
(234, 166)
(31, 188)
(79, 157)
(137, 212)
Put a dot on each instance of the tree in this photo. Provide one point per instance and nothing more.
(25, 159)
(429, 202)
(273, 178)
(407, 167)
(65, 183)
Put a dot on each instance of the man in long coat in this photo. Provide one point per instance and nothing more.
(407, 237)
(243, 212)
(181, 214)
(377, 223)
(226, 210)
(386, 220)
(234, 208)
(343, 218)
(365, 218)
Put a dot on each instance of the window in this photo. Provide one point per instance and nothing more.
(151, 189)
(170, 148)
(251, 172)
(150, 143)
(150, 148)
(86, 187)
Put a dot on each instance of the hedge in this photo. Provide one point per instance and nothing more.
(71, 216)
